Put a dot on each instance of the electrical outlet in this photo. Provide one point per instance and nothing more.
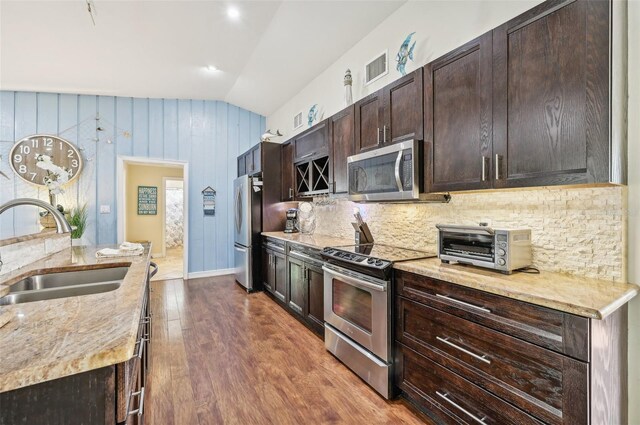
(105, 209)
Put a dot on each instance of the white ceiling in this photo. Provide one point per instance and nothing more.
(161, 48)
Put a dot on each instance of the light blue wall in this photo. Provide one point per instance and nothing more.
(207, 134)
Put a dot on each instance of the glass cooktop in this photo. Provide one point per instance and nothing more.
(386, 252)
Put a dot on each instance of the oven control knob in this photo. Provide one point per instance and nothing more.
(371, 260)
(501, 261)
(501, 251)
(378, 262)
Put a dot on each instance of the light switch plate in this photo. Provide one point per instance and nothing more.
(105, 209)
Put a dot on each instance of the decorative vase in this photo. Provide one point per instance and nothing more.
(306, 218)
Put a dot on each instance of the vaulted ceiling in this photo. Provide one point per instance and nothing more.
(162, 48)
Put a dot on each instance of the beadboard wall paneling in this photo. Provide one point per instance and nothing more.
(580, 231)
(207, 134)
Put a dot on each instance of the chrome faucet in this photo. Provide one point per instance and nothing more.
(62, 225)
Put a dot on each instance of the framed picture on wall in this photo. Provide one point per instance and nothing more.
(147, 200)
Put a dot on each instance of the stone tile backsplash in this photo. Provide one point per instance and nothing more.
(579, 230)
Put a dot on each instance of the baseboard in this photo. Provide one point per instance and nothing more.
(211, 273)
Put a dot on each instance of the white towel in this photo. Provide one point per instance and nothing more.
(127, 249)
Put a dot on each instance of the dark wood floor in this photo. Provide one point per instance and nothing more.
(220, 356)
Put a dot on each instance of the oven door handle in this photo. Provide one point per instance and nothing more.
(355, 282)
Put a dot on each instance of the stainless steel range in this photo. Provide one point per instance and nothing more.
(357, 308)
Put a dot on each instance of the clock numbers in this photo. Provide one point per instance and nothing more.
(26, 150)
(74, 163)
(25, 154)
(35, 143)
(47, 142)
(22, 169)
(60, 145)
(17, 158)
(33, 175)
(70, 154)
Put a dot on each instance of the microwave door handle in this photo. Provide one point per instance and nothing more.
(397, 171)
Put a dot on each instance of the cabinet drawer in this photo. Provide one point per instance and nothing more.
(548, 385)
(558, 331)
(451, 397)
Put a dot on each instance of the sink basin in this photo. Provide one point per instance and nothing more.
(62, 279)
(61, 292)
(64, 284)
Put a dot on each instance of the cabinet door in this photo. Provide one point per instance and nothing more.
(457, 93)
(248, 162)
(369, 121)
(312, 143)
(280, 276)
(286, 157)
(551, 95)
(403, 109)
(242, 169)
(315, 298)
(256, 153)
(297, 284)
(267, 270)
(342, 136)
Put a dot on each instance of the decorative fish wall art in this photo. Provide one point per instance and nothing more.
(313, 115)
(405, 53)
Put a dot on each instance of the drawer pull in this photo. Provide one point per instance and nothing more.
(462, 409)
(485, 310)
(141, 345)
(140, 410)
(482, 358)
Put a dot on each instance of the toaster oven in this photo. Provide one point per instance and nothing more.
(505, 250)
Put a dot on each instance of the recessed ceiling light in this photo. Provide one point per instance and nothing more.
(233, 12)
(212, 68)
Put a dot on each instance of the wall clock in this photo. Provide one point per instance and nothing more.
(24, 156)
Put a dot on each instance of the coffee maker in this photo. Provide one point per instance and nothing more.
(291, 226)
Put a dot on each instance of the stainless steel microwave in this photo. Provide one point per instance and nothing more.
(391, 173)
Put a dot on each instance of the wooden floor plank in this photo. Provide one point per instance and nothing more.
(222, 356)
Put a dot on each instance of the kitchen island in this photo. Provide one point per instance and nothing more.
(51, 345)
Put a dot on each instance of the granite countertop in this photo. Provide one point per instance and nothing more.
(45, 233)
(50, 339)
(583, 296)
(313, 241)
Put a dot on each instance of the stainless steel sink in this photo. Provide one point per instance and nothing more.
(64, 284)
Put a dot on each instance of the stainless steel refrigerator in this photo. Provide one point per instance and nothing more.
(247, 192)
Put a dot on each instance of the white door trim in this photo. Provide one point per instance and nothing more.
(122, 199)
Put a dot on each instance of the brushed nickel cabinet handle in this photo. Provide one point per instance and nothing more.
(140, 410)
(307, 155)
(485, 310)
(482, 358)
(484, 168)
(384, 134)
(498, 158)
(290, 193)
(445, 396)
(378, 135)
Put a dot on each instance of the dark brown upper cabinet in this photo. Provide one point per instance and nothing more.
(312, 143)
(288, 170)
(403, 104)
(391, 114)
(369, 121)
(551, 95)
(250, 162)
(458, 118)
(342, 137)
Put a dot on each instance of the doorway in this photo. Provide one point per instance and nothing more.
(158, 214)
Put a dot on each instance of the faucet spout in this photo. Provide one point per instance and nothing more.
(62, 225)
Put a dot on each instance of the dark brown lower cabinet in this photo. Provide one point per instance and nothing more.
(297, 285)
(109, 395)
(466, 356)
(274, 274)
(314, 305)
